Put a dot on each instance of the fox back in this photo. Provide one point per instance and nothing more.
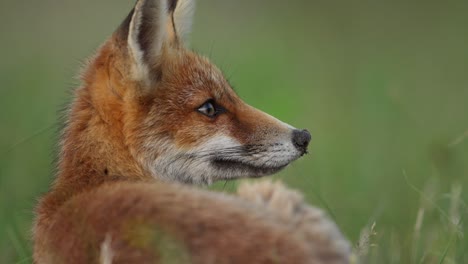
(151, 112)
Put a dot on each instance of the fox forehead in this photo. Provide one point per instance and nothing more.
(195, 79)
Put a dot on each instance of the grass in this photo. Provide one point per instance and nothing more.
(382, 86)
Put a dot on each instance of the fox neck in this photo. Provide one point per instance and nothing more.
(93, 146)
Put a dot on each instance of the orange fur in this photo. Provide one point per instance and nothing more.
(135, 126)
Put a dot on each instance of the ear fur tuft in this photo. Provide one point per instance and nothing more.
(183, 17)
(146, 35)
(151, 25)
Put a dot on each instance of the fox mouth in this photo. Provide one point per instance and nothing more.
(213, 163)
(249, 170)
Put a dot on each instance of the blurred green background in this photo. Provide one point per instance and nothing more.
(381, 85)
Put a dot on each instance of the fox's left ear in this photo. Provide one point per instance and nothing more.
(152, 27)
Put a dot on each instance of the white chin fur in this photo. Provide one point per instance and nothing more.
(197, 165)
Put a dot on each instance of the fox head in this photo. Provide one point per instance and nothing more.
(176, 114)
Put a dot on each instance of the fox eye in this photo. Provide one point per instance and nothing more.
(210, 109)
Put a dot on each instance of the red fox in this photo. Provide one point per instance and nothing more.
(150, 118)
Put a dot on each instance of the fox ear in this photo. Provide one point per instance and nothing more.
(147, 33)
(152, 26)
(181, 12)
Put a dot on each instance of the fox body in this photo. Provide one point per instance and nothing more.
(150, 116)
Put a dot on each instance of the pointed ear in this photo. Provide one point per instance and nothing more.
(147, 32)
(181, 12)
(152, 26)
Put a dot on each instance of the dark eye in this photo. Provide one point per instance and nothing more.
(210, 109)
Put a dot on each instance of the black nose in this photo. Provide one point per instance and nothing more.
(301, 139)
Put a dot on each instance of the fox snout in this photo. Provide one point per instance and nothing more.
(241, 141)
(301, 139)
